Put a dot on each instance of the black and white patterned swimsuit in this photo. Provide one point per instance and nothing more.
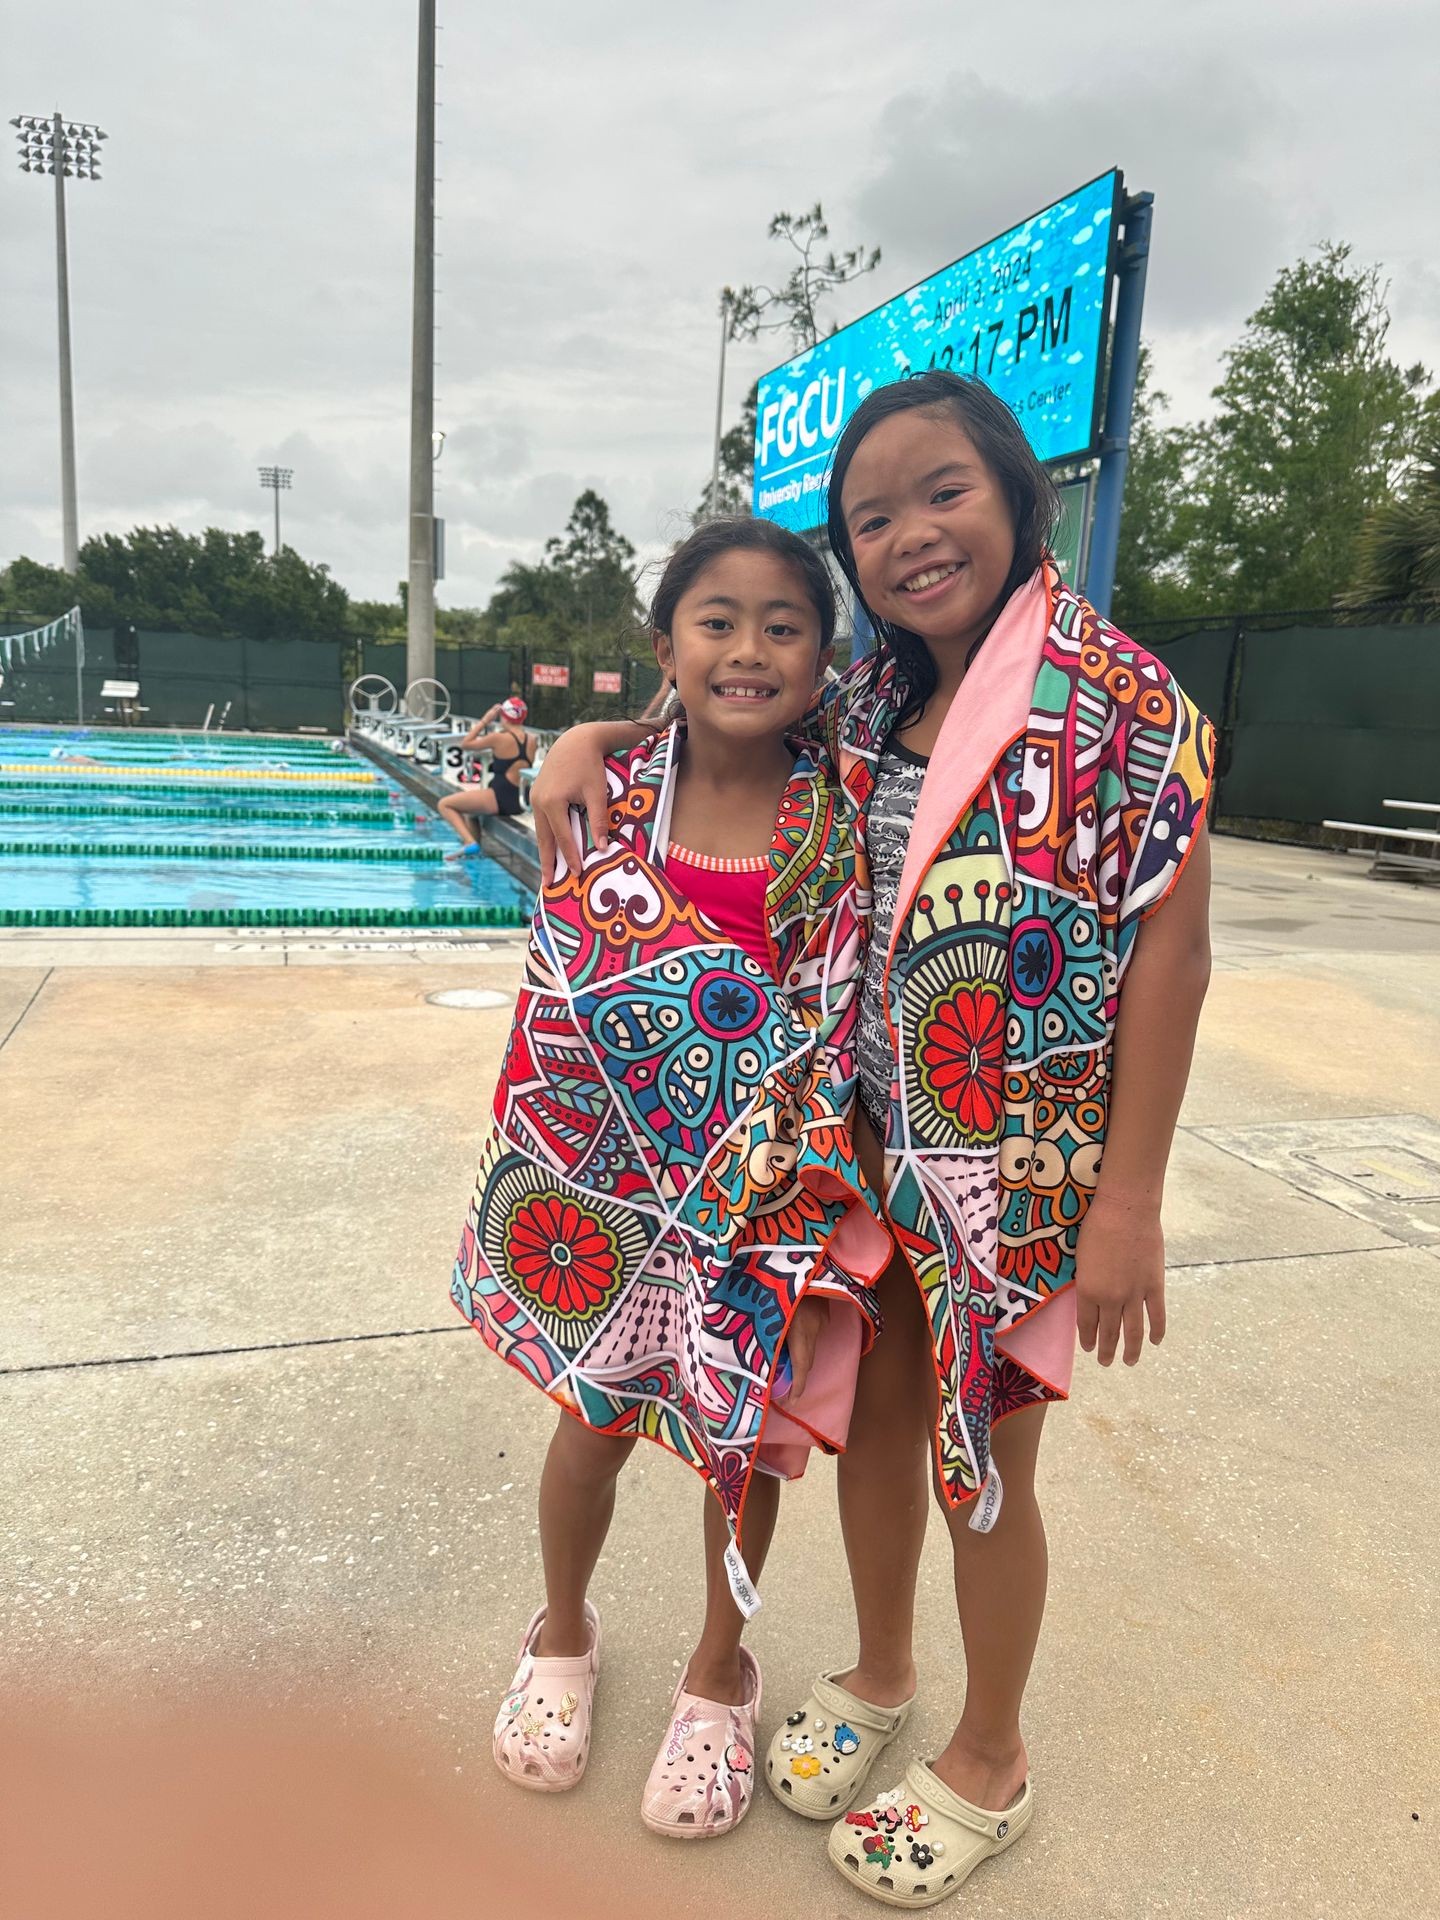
(888, 824)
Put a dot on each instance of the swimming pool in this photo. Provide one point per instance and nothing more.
(150, 828)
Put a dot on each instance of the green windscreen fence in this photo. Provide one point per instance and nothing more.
(265, 685)
(182, 675)
(388, 660)
(482, 679)
(1332, 722)
(276, 685)
(474, 677)
(1317, 722)
(43, 691)
(1198, 661)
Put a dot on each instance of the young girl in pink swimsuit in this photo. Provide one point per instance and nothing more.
(1030, 788)
(668, 1233)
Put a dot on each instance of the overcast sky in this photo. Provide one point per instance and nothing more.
(241, 275)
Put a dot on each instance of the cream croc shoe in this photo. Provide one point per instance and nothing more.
(821, 1758)
(917, 1844)
(704, 1773)
(542, 1731)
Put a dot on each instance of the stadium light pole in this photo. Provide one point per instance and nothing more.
(725, 321)
(420, 598)
(276, 477)
(69, 150)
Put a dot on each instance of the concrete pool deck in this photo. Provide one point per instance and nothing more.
(249, 1446)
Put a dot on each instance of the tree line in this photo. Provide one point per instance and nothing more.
(1315, 481)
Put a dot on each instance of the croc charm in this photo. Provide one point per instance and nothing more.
(680, 1732)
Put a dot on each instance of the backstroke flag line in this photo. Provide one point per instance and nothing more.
(28, 647)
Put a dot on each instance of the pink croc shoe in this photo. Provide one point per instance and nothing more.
(704, 1773)
(542, 1731)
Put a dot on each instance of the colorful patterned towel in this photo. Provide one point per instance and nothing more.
(670, 1167)
(1061, 800)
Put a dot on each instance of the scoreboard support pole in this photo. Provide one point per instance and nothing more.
(1119, 401)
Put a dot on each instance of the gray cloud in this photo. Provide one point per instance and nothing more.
(241, 275)
(971, 157)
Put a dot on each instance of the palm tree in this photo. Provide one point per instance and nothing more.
(1398, 551)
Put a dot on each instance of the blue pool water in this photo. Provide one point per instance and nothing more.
(113, 827)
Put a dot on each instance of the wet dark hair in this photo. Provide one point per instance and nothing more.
(1001, 443)
(741, 533)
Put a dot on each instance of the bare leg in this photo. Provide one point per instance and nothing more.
(458, 811)
(715, 1663)
(882, 1473)
(577, 1500)
(1000, 1581)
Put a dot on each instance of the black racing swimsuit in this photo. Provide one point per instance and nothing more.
(508, 800)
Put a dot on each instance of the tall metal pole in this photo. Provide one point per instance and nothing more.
(719, 406)
(69, 511)
(1119, 402)
(420, 619)
(51, 144)
(276, 477)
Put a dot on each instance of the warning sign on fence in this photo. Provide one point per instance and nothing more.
(543, 675)
(606, 682)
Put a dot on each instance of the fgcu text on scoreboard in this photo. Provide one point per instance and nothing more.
(1027, 312)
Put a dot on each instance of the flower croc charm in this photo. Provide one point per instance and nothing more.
(915, 1845)
(704, 1772)
(820, 1759)
(542, 1731)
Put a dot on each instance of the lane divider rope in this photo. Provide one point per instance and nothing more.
(222, 850)
(265, 917)
(328, 777)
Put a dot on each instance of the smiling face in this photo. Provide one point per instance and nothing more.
(744, 647)
(930, 528)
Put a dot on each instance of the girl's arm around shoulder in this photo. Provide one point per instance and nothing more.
(573, 775)
(1120, 1257)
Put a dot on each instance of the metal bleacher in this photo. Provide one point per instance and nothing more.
(1399, 852)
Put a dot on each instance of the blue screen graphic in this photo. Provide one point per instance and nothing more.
(1026, 312)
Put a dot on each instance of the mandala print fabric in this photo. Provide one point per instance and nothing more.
(1005, 969)
(669, 1167)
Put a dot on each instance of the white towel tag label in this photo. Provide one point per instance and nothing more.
(742, 1587)
(987, 1502)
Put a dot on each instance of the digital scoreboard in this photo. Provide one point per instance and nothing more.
(1027, 312)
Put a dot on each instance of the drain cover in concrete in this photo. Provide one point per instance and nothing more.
(469, 997)
(1384, 1169)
